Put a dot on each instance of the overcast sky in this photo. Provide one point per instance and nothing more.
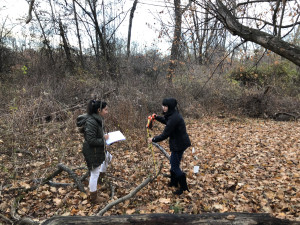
(17, 10)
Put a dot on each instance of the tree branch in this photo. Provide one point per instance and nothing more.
(72, 175)
(131, 194)
(162, 150)
(268, 41)
(29, 18)
(6, 219)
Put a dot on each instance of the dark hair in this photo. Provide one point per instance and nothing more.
(94, 105)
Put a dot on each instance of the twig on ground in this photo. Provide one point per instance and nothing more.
(6, 219)
(130, 195)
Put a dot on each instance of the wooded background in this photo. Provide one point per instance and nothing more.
(226, 59)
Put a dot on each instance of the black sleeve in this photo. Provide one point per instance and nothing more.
(161, 119)
(171, 125)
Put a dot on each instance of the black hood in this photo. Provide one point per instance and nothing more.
(171, 103)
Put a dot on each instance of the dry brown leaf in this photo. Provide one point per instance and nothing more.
(57, 201)
(164, 200)
(130, 211)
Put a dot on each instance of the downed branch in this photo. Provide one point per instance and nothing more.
(130, 195)
(27, 221)
(15, 202)
(174, 219)
(14, 206)
(47, 180)
(13, 212)
(72, 175)
(283, 116)
(86, 175)
(162, 150)
(6, 219)
(42, 182)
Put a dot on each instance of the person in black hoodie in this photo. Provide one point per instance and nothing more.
(179, 141)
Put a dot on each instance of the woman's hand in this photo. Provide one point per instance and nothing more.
(149, 140)
(106, 136)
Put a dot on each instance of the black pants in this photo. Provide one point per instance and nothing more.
(175, 160)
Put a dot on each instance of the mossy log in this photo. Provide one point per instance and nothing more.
(171, 219)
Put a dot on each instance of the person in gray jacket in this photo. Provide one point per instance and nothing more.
(92, 126)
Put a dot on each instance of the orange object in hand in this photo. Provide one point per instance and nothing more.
(150, 121)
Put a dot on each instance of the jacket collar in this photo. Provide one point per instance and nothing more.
(98, 118)
(169, 113)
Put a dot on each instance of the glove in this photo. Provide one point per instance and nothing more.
(153, 116)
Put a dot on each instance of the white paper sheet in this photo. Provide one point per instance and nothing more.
(196, 169)
(114, 137)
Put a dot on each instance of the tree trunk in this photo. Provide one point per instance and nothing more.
(78, 35)
(29, 17)
(98, 31)
(275, 44)
(176, 41)
(45, 41)
(130, 25)
(100, 37)
(171, 219)
(62, 33)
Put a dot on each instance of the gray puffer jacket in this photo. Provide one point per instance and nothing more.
(94, 142)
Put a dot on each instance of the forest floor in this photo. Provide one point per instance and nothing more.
(245, 165)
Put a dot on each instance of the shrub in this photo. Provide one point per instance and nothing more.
(282, 75)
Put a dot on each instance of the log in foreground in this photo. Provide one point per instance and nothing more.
(168, 219)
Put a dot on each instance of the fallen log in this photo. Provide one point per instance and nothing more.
(162, 150)
(168, 219)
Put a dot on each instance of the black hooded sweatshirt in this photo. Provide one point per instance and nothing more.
(175, 128)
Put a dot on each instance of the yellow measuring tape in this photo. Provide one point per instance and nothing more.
(150, 146)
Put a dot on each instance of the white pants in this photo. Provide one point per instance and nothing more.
(94, 179)
(96, 172)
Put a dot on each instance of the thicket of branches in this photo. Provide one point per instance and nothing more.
(208, 71)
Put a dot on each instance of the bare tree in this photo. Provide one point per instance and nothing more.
(70, 63)
(176, 38)
(273, 42)
(78, 34)
(205, 36)
(130, 26)
(46, 42)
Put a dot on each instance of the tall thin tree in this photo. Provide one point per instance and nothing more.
(130, 26)
(176, 39)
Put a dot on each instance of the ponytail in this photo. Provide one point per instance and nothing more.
(94, 105)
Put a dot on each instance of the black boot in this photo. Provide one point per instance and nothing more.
(174, 180)
(183, 185)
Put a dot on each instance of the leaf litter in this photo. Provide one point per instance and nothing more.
(245, 165)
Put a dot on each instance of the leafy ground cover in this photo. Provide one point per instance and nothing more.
(245, 165)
